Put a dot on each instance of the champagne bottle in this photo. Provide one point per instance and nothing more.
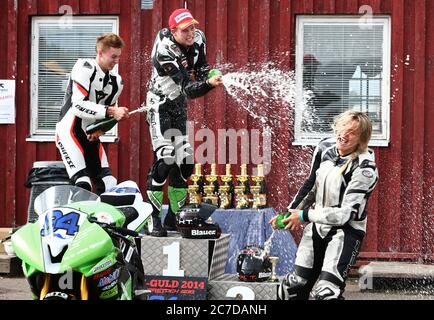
(108, 122)
(279, 219)
(214, 72)
(104, 124)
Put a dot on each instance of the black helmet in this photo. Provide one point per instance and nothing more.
(191, 222)
(253, 264)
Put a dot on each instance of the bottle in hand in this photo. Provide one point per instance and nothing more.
(279, 219)
(104, 124)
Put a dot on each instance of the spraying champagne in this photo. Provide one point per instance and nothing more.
(108, 122)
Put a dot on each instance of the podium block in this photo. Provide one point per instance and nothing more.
(228, 287)
(192, 257)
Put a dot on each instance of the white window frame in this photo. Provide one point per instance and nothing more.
(302, 138)
(45, 135)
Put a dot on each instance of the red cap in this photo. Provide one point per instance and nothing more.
(181, 18)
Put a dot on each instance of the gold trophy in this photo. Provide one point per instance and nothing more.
(211, 188)
(194, 194)
(258, 190)
(274, 261)
(225, 194)
(242, 189)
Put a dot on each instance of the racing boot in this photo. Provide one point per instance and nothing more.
(177, 197)
(155, 228)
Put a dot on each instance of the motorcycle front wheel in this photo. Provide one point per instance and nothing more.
(57, 295)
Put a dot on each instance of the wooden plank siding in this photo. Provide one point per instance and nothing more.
(9, 130)
(240, 33)
(428, 202)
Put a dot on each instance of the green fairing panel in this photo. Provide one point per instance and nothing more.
(102, 265)
(28, 247)
(90, 245)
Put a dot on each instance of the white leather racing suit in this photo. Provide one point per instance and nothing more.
(335, 204)
(90, 91)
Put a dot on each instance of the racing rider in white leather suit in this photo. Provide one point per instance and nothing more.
(93, 90)
(333, 201)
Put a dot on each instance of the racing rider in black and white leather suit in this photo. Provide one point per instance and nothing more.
(180, 71)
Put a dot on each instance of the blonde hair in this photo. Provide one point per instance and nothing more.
(109, 40)
(364, 128)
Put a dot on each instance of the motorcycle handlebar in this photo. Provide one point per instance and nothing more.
(122, 231)
(125, 231)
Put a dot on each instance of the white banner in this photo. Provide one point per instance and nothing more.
(7, 101)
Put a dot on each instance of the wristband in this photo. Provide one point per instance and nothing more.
(301, 216)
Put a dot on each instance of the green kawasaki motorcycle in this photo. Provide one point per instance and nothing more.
(83, 246)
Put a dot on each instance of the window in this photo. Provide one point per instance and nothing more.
(147, 4)
(341, 63)
(56, 46)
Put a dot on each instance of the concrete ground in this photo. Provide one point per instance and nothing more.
(14, 289)
(17, 289)
(353, 292)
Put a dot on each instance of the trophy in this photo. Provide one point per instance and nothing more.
(194, 192)
(274, 261)
(211, 188)
(225, 189)
(258, 190)
(242, 189)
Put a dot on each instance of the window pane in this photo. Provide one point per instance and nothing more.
(59, 47)
(342, 68)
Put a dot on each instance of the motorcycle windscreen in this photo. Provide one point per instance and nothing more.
(68, 239)
(58, 227)
(61, 195)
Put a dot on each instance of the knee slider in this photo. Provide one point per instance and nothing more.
(84, 182)
(185, 159)
(165, 160)
(326, 290)
(160, 171)
(166, 154)
(290, 286)
(109, 182)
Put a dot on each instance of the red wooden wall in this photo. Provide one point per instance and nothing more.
(401, 220)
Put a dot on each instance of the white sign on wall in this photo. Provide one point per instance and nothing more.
(7, 101)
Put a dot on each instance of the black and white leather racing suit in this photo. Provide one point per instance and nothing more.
(335, 204)
(90, 91)
(178, 73)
